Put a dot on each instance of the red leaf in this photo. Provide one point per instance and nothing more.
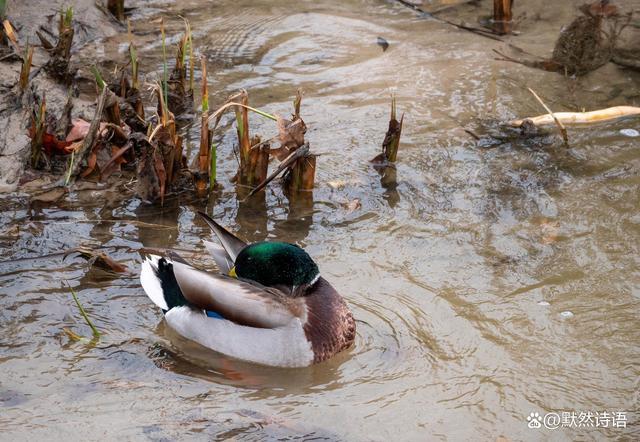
(52, 145)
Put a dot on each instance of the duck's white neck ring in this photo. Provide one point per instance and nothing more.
(314, 280)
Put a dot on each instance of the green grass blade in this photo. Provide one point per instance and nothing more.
(94, 330)
(99, 80)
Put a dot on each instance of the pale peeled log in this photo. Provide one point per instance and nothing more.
(577, 118)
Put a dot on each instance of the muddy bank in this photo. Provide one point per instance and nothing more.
(90, 23)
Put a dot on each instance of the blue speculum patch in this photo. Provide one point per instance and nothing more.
(215, 315)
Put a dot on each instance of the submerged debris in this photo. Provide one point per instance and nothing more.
(384, 44)
(584, 45)
(97, 259)
(561, 128)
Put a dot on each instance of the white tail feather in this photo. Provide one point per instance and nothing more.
(151, 283)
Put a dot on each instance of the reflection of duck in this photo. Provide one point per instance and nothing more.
(274, 308)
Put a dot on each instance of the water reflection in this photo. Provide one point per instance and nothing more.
(251, 215)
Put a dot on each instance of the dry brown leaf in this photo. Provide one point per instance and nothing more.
(290, 135)
(97, 259)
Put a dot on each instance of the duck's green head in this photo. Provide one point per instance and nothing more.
(274, 263)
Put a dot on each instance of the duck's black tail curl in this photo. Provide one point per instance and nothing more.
(159, 282)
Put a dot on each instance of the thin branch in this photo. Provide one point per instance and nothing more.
(563, 130)
(477, 31)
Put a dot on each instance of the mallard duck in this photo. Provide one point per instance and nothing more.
(269, 305)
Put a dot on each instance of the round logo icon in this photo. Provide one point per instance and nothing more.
(551, 421)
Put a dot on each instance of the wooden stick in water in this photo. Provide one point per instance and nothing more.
(563, 130)
(580, 118)
(502, 16)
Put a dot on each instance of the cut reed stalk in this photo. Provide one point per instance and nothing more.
(206, 155)
(302, 175)
(38, 120)
(65, 35)
(254, 163)
(204, 162)
(391, 141)
(135, 98)
(112, 105)
(192, 60)
(502, 16)
(179, 95)
(26, 68)
(167, 146)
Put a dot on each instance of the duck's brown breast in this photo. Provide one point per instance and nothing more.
(330, 326)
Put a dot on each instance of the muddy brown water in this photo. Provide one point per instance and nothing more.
(489, 283)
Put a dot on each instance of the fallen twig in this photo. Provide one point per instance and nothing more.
(477, 31)
(563, 130)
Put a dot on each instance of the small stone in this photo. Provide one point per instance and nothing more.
(544, 303)
(630, 133)
(566, 314)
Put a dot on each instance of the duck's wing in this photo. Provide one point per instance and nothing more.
(232, 244)
(237, 301)
(220, 256)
